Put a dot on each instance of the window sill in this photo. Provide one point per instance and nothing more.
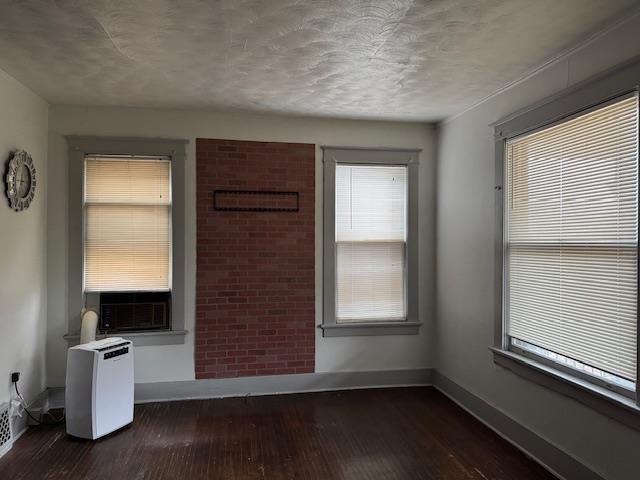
(140, 339)
(604, 401)
(370, 329)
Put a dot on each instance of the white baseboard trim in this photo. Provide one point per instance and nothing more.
(279, 384)
(55, 397)
(558, 462)
(267, 385)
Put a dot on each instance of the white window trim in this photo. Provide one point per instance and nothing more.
(79, 148)
(567, 104)
(369, 156)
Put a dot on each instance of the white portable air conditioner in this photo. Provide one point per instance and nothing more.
(99, 390)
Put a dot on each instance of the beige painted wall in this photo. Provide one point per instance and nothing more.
(465, 268)
(23, 125)
(175, 362)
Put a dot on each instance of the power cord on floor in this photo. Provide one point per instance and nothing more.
(56, 421)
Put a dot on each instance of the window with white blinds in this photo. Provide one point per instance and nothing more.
(571, 243)
(127, 224)
(371, 231)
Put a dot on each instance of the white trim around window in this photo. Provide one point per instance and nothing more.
(600, 378)
(399, 315)
(79, 148)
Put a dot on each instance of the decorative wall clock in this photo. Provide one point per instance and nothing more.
(20, 180)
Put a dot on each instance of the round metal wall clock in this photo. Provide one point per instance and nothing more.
(20, 180)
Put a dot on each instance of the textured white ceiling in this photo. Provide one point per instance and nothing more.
(394, 59)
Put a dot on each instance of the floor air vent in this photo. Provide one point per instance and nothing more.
(6, 436)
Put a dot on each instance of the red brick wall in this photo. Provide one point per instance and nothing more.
(255, 270)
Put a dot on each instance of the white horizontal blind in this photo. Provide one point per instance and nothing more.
(127, 203)
(572, 237)
(371, 223)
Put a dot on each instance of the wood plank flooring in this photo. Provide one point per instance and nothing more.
(386, 434)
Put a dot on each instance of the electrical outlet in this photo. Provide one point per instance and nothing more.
(15, 376)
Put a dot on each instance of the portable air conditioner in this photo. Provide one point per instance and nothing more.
(99, 390)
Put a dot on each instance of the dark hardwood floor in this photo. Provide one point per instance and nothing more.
(387, 434)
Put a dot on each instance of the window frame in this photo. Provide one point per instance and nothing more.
(79, 147)
(594, 93)
(370, 156)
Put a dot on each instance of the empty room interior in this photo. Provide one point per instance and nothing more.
(319, 239)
